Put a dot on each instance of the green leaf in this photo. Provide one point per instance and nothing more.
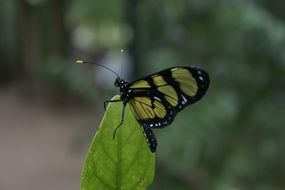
(125, 163)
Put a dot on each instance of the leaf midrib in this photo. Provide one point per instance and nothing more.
(118, 166)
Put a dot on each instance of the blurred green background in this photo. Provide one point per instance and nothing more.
(233, 139)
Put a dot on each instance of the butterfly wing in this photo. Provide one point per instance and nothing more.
(152, 111)
(190, 84)
(157, 98)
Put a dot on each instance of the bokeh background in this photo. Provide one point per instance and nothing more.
(50, 108)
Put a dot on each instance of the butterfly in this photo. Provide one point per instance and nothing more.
(157, 98)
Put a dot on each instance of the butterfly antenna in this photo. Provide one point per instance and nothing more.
(122, 52)
(81, 62)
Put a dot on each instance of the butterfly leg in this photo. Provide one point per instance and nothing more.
(122, 120)
(109, 101)
(150, 138)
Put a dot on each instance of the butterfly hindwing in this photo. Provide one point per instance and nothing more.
(152, 112)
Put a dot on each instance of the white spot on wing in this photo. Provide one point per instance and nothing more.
(184, 100)
(157, 98)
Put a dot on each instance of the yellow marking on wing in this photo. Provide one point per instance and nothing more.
(158, 80)
(172, 101)
(186, 81)
(139, 110)
(140, 84)
(168, 90)
(141, 107)
(189, 88)
(134, 110)
(170, 94)
(149, 111)
(159, 109)
(143, 111)
(144, 100)
(146, 104)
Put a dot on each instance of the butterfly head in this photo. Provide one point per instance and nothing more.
(120, 83)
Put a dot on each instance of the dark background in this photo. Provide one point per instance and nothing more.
(50, 107)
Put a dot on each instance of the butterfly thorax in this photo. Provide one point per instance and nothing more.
(123, 87)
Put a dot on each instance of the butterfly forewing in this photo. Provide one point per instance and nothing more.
(190, 84)
(158, 97)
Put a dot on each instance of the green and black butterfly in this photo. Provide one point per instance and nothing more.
(157, 98)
